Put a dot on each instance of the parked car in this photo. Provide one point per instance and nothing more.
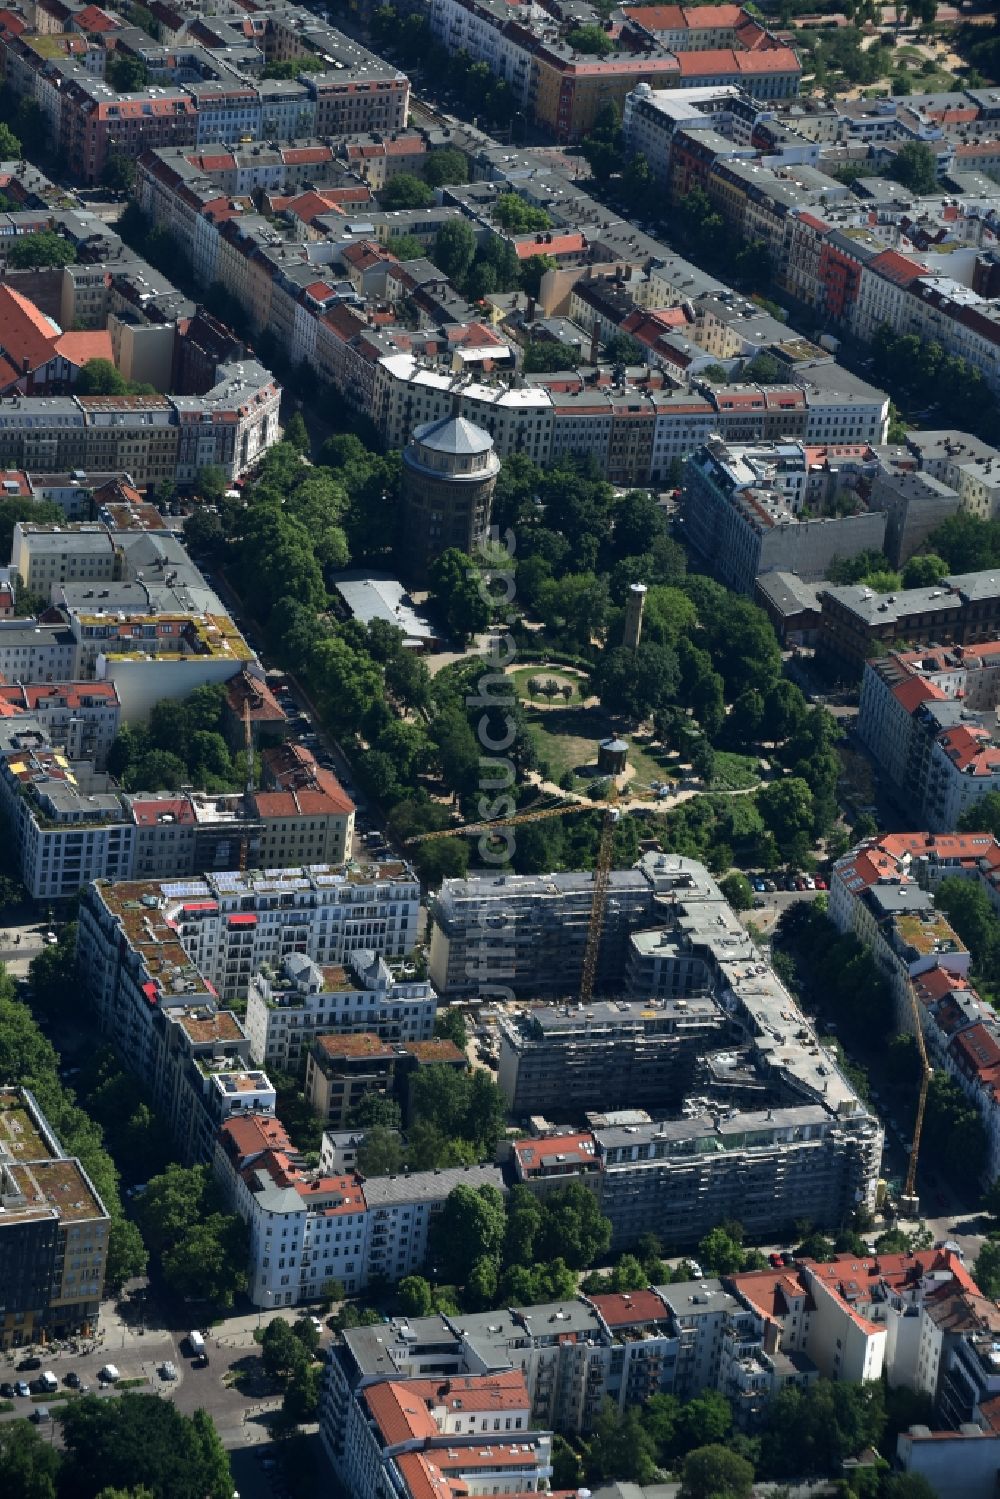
(758, 885)
(22, 1389)
(820, 883)
(770, 886)
(40, 1414)
(6, 1391)
(168, 1370)
(201, 1362)
(28, 1363)
(775, 1260)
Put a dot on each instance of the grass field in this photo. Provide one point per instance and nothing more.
(525, 674)
(734, 772)
(567, 738)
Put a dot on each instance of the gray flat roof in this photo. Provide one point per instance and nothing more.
(415, 1186)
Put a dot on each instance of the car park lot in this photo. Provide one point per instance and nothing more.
(140, 1353)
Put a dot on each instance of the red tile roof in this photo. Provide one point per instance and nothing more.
(149, 813)
(630, 1308)
(77, 348)
(536, 1153)
(914, 691)
(27, 336)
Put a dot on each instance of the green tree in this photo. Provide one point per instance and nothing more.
(127, 1255)
(810, 1431)
(456, 595)
(209, 1261)
(455, 249)
(300, 1402)
(573, 1227)
(925, 570)
(118, 174)
(987, 1269)
(469, 1227)
(127, 74)
(33, 252)
(446, 165)
(788, 811)
(513, 213)
(141, 1440)
(296, 433)
(381, 1152)
(406, 191)
(590, 40)
(637, 683)
(915, 166)
(449, 1025)
(705, 1421)
(566, 1470)
(10, 146)
(99, 378)
(983, 816)
(414, 1296)
(907, 1486)
(736, 888)
(281, 1351)
(532, 271)
(574, 606)
(715, 1472)
(29, 1465)
(620, 1448)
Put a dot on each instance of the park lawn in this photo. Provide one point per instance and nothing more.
(524, 674)
(567, 738)
(734, 772)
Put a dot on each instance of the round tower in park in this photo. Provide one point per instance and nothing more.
(634, 605)
(449, 474)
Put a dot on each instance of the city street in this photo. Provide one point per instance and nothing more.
(139, 1351)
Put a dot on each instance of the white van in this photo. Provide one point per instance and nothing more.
(110, 1374)
(196, 1343)
(48, 1381)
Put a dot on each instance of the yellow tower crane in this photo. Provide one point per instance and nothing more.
(602, 868)
(909, 1202)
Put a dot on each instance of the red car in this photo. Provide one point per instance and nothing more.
(820, 882)
(776, 1261)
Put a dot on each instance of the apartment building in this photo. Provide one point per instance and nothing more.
(773, 1126)
(743, 513)
(306, 1228)
(81, 719)
(204, 93)
(227, 926)
(525, 935)
(402, 1208)
(309, 1226)
(557, 1061)
(883, 892)
(54, 1231)
(855, 622)
(288, 1009)
(929, 719)
(965, 463)
(153, 438)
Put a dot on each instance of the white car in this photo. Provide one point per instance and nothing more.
(168, 1371)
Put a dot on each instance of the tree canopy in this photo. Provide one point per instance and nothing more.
(33, 252)
(141, 1440)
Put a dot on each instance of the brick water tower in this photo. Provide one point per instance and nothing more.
(449, 475)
